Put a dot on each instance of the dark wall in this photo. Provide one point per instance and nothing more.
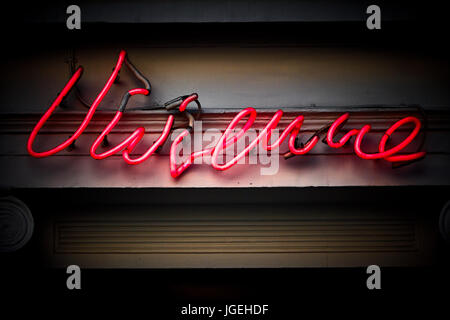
(268, 54)
(154, 11)
(235, 77)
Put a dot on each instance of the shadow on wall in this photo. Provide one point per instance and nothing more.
(231, 77)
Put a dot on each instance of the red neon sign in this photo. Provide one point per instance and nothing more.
(228, 138)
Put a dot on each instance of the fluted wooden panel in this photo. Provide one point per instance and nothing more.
(234, 236)
(227, 235)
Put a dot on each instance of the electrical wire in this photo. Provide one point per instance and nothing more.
(130, 142)
(71, 83)
(72, 61)
(181, 103)
(292, 130)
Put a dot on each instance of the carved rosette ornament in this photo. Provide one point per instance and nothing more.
(16, 224)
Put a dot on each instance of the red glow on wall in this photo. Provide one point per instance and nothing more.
(86, 120)
(228, 138)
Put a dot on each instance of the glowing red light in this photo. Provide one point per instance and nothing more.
(86, 120)
(186, 101)
(389, 154)
(335, 127)
(130, 143)
(228, 138)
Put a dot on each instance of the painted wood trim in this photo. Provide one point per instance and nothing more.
(323, 167)
(67, 122)
(232, 237)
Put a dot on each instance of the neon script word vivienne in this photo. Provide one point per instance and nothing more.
(228, 138)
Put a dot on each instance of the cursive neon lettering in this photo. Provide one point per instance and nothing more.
(227, 139)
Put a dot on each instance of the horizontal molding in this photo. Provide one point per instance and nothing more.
(214, 237)
(307, 171)
(436, 142)
(315, 118)
(324, 166)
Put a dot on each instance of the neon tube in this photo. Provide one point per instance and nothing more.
(130, 143)
(227, 139)
(387, 155)
(264, 135)
(408, 140)
(335, 127)
(186, 101)
(177, 171)
(86, 120)
(293, 128)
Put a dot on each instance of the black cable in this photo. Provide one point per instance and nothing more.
(72, 68)
(138, 74)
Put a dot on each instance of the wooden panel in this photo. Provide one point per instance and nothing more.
(237, 236)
